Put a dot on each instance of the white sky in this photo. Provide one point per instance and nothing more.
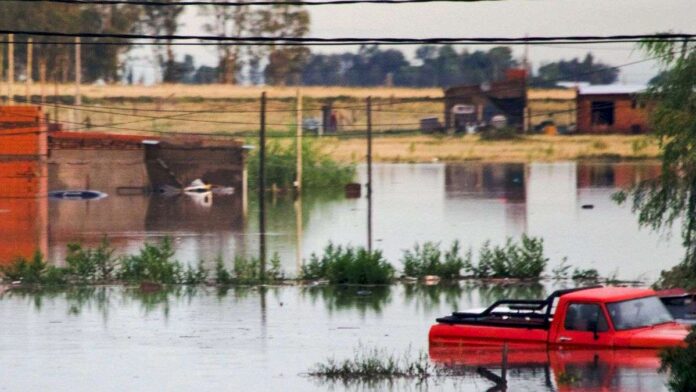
(512, 18)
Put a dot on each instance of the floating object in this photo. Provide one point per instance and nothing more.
(431, 280)
(587, 206)
(77, 195)
(198, 186)
(609, 317)
(353, 190)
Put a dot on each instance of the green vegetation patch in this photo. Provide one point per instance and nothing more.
(348, 265)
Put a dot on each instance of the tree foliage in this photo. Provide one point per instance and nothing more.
(587, 70)
(671, 197)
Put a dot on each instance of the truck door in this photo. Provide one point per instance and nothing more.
(584, 325)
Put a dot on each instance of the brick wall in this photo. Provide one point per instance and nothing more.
(625, 115)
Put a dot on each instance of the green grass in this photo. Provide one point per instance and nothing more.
(348, 265)
(374, 365)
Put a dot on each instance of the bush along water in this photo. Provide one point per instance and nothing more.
(522, 260)
(154, 263)
(680, 363)
(348, 265)
(428, 259)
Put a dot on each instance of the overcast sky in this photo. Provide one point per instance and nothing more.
(512, 18)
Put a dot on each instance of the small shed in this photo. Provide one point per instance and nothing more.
(478, 104)
(613, 108)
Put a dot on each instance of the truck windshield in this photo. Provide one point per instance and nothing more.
(636, 313)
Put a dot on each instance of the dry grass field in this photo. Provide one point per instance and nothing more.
(414, 149)
(230, 110)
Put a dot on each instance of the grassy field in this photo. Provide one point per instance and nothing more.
(467, 148)
(229, 110)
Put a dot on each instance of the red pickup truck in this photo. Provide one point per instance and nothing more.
(610, 317)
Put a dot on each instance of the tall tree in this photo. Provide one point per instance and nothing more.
(671, 198)
(587, 70)
(231, 22)
(164, 20)
(285, 63)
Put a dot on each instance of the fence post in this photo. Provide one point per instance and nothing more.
(369, 174)
(30, 69)
(262, 187)
(10, 68)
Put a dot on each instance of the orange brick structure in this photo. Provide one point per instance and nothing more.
(611, 109)
(23, 183)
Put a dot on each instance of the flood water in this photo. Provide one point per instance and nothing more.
(267, 339)
(469, 202)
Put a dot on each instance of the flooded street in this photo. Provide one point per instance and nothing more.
(470, 202)
(266, 339)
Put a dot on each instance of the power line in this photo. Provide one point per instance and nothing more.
(160, 3)
(261, 40)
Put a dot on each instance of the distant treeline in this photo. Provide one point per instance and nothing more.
(433, 66)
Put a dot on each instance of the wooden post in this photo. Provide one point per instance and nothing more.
(30, 69)
(298, 121)
(369, 174)
(55, 97)
(42, 79)
(2, 67)
(10, 68)
(262, 187)
(78, 78)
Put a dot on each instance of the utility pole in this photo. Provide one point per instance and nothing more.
(42, 79)
(262, 187)
(30, 69)
(10, 68)
(298, 121)
(2, 66)
(298, 184)
(78, 77)
(369, 174)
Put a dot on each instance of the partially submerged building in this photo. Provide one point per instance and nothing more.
(35, 161)
(613, 108)
(477, 105)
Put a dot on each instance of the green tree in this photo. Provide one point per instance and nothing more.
(164, 21)
(285, 63)
(671, 197)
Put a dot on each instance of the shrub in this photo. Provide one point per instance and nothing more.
(429, 260)
(506, 133)
(34, 271)
(91, 264)
(589, 274)
(349, 265)
(154, 263)
(373, 365)
(525, 260)
(195, 275)
(680, 362)
(319, 170)
(248, 271)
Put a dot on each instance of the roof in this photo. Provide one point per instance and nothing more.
(608, 89)
(609, 294)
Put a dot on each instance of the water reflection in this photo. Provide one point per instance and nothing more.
(471, 202)
(361, 298)
(559, 370)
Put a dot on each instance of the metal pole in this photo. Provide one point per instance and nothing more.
(298, 121)
(78, 77)
(369, 174)
(30, 69)
(262, 187)
(2, 66)
(10, 68)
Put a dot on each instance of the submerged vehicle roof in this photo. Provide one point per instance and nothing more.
(609, 294)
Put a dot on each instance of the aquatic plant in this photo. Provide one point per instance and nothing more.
(34, 271)
(374, 365)
(680, 363)
(247, 270)
(429, 260)
(88, 265)
(195, 275)
(348, 265)
(154, 263)
(524, 260)
(589, 274)
(319, 170)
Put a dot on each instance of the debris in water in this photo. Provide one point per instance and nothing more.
(587, 206)
(77, 195)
